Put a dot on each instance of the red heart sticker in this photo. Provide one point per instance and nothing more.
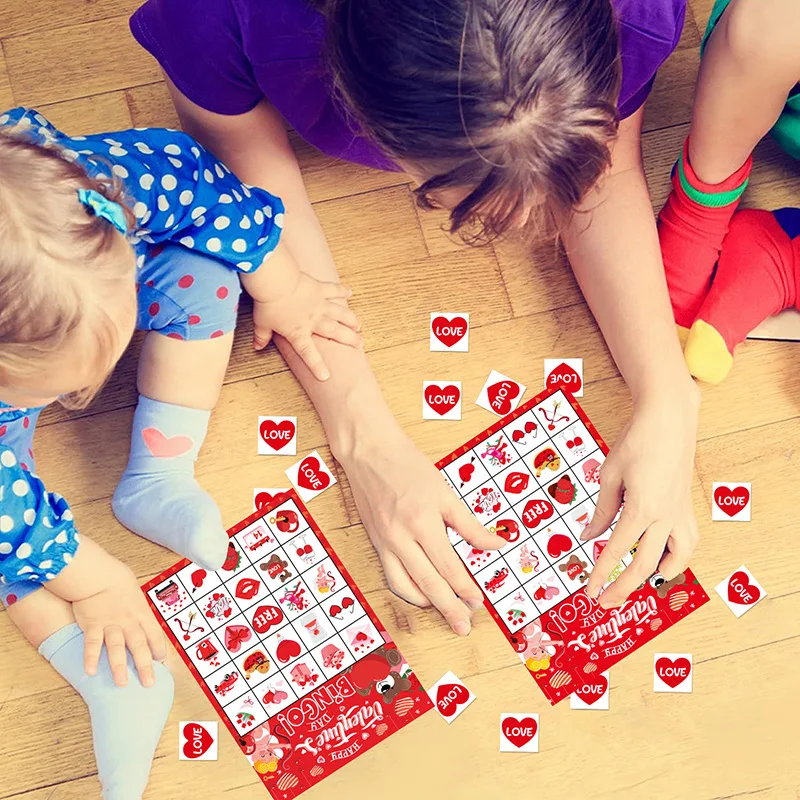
(564, 373)
(535, 511)
(263, 499)
(442, 398)
(741, 591)
(558, 544)
(673, 673)
(731, 501)
(465, 472)
(449, 331)
(277, 435)
(311, 475)
(590, 693)
(236, 636)
(287, 650)
(516, 482)
(501, 394)
(198, 740)
(265, 617)
(449, 696)
(519, 731)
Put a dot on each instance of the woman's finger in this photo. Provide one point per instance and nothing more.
(117, 656)
(627, 532)
(680, 547)
(457, 516)
(449, 566)
(608, 502)
(435, 588)
(644, 564)
(400, 581)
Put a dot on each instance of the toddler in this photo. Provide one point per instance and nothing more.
(101, 234)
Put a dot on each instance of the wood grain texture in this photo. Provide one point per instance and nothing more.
(734, 736)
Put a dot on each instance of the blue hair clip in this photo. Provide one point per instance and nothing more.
(101, 206)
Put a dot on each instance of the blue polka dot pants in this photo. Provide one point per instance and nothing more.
(186, 295)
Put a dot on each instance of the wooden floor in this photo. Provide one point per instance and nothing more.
(736, 735)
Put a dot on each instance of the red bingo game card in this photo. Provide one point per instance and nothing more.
(283, 643)
(532, 478)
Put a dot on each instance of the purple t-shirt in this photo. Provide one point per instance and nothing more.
(227, 55)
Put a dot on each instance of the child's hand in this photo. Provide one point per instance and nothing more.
(651, 464)
(296, 306)
(308, 307)
(120, 617)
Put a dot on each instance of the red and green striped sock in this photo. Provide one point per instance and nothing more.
(691, 228)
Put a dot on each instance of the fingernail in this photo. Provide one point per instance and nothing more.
(462, 628)
(324, 375)
(148, 681)
(474, 605)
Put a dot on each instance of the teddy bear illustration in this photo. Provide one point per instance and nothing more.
(663, 586)
(574, 568)
(378, 671)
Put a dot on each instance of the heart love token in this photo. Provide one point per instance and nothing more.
(277, 436)
(441, 400)
(450, 696)
(519, 733)
(198, 741)
(500, 394)
(731, 502)
(740, 591)
(449, 332)
(672, 672)
(592, 695)
(262, 497)
(567, 372)
(310, 476)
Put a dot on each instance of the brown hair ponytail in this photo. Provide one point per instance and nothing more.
(513, 102)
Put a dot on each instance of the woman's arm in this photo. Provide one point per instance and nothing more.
(614, 251)
(403, 502)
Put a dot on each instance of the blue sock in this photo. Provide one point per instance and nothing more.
(126, 720)
(158, 497)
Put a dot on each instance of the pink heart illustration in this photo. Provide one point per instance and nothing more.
(162, 446)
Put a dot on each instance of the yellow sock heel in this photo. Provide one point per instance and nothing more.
(706, 354)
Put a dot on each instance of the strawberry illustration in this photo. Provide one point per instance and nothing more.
(232, 559)
(563, 491)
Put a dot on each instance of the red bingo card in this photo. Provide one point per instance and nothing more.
(283, 643)
(532, 478)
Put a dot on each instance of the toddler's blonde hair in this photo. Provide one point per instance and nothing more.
(62, 269)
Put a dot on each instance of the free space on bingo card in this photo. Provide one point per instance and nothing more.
(532, 478)
(298, 667)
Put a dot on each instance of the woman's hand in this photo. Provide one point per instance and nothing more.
(405, 505)
(119, 617)
(650, 467)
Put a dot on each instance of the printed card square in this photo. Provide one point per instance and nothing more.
(731, 502)
(500, 394)
(741, 591)
(592, 695)
(310, 476)
(450, 696)
(262, 497)
(567, 372)
(672, 672)
(277, 436)
(441, 400)
(449, 332)
(198, 741)
(519, 733)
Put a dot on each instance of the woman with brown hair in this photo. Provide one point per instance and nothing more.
(510, 113)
